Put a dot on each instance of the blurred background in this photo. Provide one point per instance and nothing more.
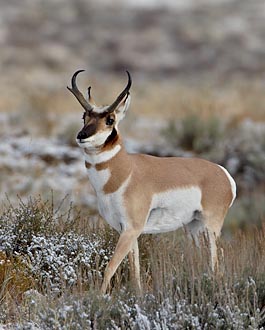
(198, 70)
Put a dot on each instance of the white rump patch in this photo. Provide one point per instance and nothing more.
(172, 209)
(232, 183)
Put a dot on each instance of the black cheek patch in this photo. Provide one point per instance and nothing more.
(112, 137)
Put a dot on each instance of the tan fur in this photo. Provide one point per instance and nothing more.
(181, 172)
(150, 175)
(178, 173)
(119, 171)
(131, 183)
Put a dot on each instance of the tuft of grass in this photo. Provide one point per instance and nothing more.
(15, 277)
(53, 244)
(34, 217)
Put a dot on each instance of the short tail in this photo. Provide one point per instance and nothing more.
(232, 183)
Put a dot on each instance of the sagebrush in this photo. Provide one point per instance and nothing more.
(53, 280)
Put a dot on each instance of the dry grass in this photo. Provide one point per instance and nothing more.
(165, 99)
(175, 275)
(180, 291)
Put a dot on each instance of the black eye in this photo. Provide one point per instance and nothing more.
(109, 121)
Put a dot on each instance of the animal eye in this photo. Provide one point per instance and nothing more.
(109, 121)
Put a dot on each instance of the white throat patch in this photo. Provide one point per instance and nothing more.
(94, 158)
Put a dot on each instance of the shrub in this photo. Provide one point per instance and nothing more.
(53, 281)
(40, 239)
(194, 133)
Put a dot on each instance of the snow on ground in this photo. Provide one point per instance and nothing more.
(40, 165)
(36, 165)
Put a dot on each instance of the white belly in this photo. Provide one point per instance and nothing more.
(172, 209)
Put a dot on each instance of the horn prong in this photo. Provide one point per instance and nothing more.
(90, 98)
(89, 92)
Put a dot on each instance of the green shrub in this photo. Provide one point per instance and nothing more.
(194, 133)
(248, 212)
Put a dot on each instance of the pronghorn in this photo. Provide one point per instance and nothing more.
(139, 193)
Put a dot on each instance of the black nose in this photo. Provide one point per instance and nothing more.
(82, 135)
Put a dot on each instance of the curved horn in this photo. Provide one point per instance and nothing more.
(114, 105)
(79, 96)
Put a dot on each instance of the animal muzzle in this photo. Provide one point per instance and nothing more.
(86, 132)
(82, 135)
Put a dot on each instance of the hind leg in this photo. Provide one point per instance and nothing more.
(195, 229)
(214, 223)
(213, 250)
(211, 228)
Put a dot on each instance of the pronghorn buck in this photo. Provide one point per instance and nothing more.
(139, 193)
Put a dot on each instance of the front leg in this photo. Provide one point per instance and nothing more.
(135, 267)
(125, 243)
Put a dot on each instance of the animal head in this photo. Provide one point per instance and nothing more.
(100, 122)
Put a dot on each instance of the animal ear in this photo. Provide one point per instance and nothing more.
(123, 107)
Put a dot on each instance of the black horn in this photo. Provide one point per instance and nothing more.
(89, 92)
(79, 96)
(125, 92)
(90, 98)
